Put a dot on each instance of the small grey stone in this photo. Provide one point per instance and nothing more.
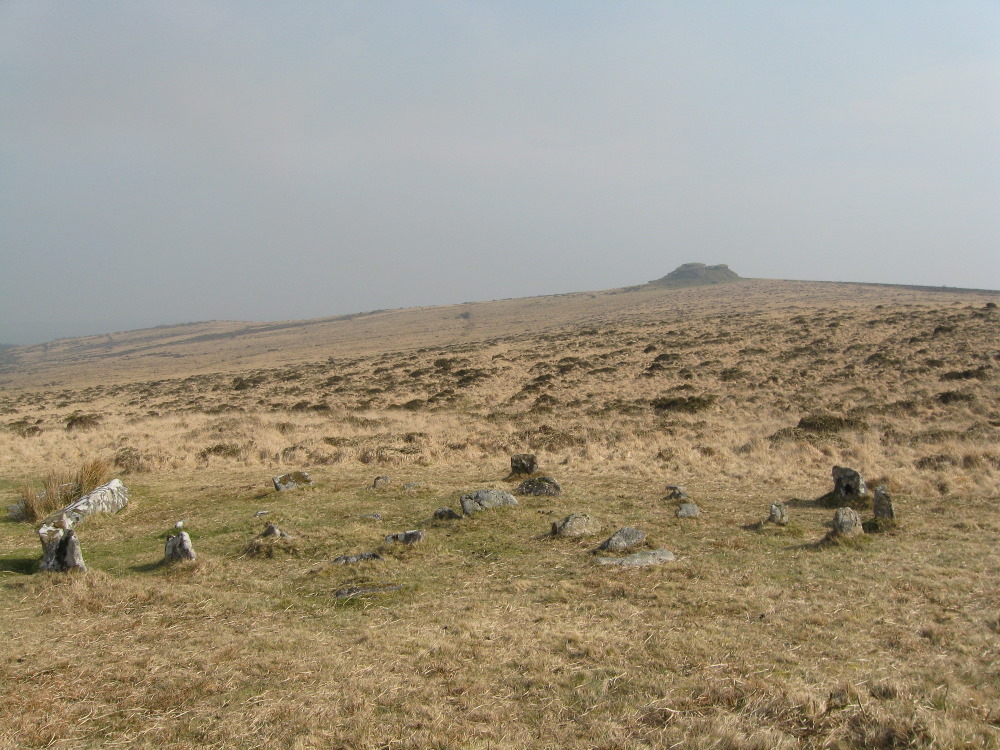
(445, 514)
(483, 499)
(676, 492)
(778, 514)
(625, 537)
(373, 516)
(291, 481)
(406, 537)
(574, 525)
(688, 510)
(352, 559)
(381, 481)
(272, 531)
(539, 486)
(639, 559)
(413, 486)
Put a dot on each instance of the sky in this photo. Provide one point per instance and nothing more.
(171, 161)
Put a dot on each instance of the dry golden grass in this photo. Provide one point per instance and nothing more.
(500, 636)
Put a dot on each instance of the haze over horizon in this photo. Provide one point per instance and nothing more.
(169, 162)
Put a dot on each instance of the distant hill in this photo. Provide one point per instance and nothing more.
(697, 274)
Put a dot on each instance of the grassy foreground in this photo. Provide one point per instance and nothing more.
(499, 635)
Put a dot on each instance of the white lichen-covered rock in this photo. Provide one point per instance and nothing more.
(108, 498)
(178, 548)
(60, 549)
(485, 499)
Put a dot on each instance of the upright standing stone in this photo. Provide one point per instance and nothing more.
(380, 482)
(179, 547)
(523, 463)
(779, 514)
(846, 523)
(848, 489)
(60, 548)
(883, 505)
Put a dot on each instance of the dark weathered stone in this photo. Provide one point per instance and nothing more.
(846, 523)
(108, 498)
(849, 489)
(574, 525)
(406, 537)
(779, 514)
(381, 481)
(639, 559)
(688, 510)
(539, 486)
(60, 549)
(523, 463)
(883, 505)
(624, 538)
(352, 559)
(676, 492)
(178, 547)
(291, 480)
(446, 514)
(484, 499)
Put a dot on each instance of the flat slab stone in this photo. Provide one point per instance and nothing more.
(484, 499)
(406, 537)
(639, 559)
(291, 480)
(352, 559)
(539, 486)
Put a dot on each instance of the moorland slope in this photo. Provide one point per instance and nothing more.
(491, 632)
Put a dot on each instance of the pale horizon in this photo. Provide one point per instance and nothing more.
(167, 163)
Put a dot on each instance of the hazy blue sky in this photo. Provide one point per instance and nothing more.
(184, 160)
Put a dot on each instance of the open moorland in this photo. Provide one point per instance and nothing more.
(491, 632)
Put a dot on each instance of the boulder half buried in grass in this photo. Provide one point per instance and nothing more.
(641, 559)
(625, 538)
(485, 499)
(291, 480)
(539, 486)
(574, 525)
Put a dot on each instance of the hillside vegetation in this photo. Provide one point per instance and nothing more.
(491, 632)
